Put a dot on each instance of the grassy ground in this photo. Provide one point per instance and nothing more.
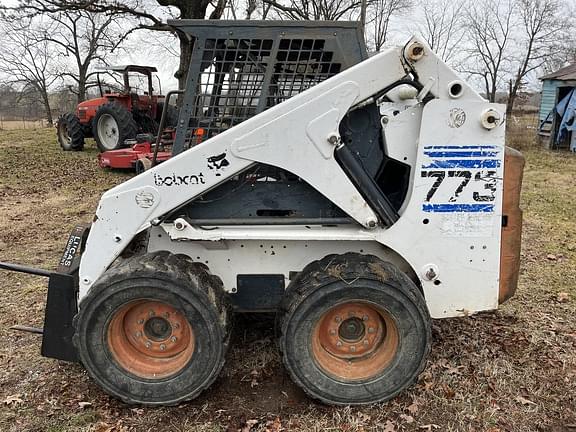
(21, 124)
(511, 370)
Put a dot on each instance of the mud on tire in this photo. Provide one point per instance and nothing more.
(154, 330)
(353, 329)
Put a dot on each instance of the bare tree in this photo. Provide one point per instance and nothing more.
(330, 10)
(150, 15)
(27, 61)
(379, 14)
(86, 38)
(542, 24)
(490, 25)
(443, 26)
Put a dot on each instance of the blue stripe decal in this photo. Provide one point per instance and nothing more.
(458, 208)
(463, 163)
(482, 147)
(443, 154)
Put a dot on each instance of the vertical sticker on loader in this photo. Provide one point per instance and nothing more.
(462, 187)
(463, 179)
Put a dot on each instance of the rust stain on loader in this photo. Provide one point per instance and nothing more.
(512, 224)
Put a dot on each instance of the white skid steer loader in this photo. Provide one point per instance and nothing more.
(355, 197)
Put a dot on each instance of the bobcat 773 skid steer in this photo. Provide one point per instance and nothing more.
(357, 210)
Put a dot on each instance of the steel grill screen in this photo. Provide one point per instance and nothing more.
(243, 77)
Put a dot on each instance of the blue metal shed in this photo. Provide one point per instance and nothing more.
(556, 87)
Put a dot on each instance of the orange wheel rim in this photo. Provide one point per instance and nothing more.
(354, 341)
(150, 339)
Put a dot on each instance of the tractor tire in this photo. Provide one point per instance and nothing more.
(70, 132)
(112, 125)
(353, 330)
(171, 115)
(146, 124)
(154, 330)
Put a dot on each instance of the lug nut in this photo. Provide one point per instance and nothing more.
(332, 332)
(338, 319)
(151, 313)
(162, 347)
(339, 343)
(173, 338)
(353, 348)
(148, 345)
(138, 334)
(140, 321)
(365, 318)
(371, 329)
(365, 342)
(177, 325)
(166, 315)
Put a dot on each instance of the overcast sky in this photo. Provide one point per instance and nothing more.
(161, 49)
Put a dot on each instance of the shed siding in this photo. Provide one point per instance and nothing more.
(548, 101)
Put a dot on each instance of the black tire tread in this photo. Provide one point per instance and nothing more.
(75, 131)
(175, 267)
(348, 266)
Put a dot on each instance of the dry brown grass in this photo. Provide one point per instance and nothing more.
(511, 370)
(22, 124)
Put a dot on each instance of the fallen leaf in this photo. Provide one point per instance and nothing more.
(84, 404)
(413, 408)
(562, 297)
(363, 417)
(248, 425)
(524, 401)
(13, 400)
(407, 418)
(103, 427)
(389, 426)
(430, 426)
(551, 257)
(274, 426)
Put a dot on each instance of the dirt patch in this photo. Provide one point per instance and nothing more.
(511, 370)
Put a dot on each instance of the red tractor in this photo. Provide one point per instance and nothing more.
(115, 116)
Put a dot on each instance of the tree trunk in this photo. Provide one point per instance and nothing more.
(81, 87)
(188, 10)
(184, 65)
(512, 90)
(47, 108)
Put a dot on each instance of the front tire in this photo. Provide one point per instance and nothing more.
(154, 330)
(70, 132)
(112, 125)
(353, 330)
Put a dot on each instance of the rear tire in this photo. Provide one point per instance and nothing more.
(70, 132)
(353, 330)
(112, 125)
(154, 330)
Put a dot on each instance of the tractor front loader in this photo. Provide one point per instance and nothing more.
(378, 198)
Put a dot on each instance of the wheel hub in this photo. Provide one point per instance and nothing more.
(108, 131)
(354, 340)
(150, 338)
(352, 330)
(157, 329)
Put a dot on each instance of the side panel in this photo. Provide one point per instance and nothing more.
(450, 229)
(228, 258)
